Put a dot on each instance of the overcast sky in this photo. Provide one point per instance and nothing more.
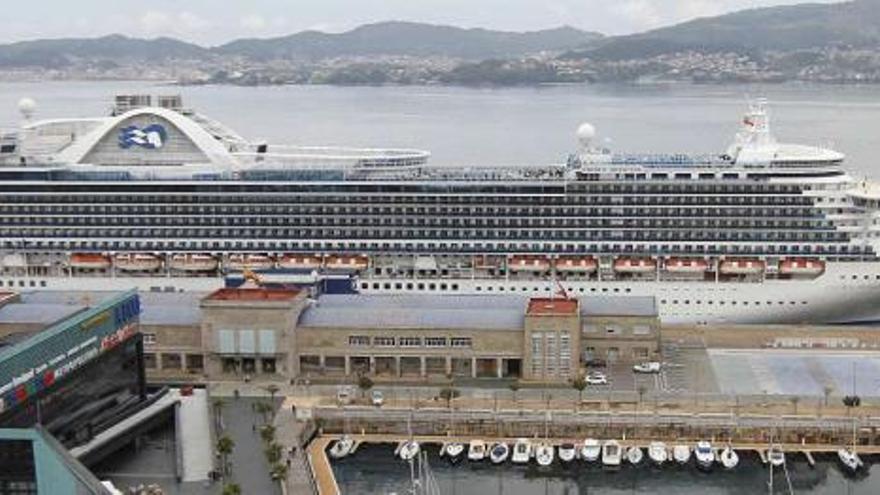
(216, 21)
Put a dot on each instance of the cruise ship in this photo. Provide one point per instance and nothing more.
(160, 197)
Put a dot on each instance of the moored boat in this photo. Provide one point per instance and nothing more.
(728, 458)
(657, 452)
(742, 267)
(634, 455)
(499, 453)
(544, 454)
(476, 450)
(528, 264)
(775, 456)
(704, 455)
(591, 450)
(453, 451)
(611, 454)
(341, 447)
(849, 459)
(801, 266)
(686, 265)
(567, 452)
(522, 451)
(576, 264)
(408, 450)
(635, 265)
(681, 453)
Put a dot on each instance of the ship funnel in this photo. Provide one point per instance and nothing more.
(586, 132)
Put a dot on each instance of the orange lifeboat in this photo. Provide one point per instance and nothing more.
(742, 267)
(486, 262)
(801, 266)
(300, 261)
(250, 261)
(137, 262)
(576, 264)
(92, 261)
(342, 262)
(634, 265)
(686, 265)
(194, 262)
(528, 264)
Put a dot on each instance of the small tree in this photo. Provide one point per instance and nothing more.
(267, 433)
(827, 390)
(795, 400)
(232, 489)
(364, 383)
(514, 388)
(218, 404)
(449, 393)
(225, 444)
(579, 384)
(264, 409)
(278, 471)
(273, 453)
(273, 390)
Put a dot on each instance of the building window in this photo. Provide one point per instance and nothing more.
(383, 341)
(410, 342)
(435, 341)
(590, 329)
(149, 361)
(641, 330)
(613, 329)
(358, 340)
(149, 338)
(460, 342)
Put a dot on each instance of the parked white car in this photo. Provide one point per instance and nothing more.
(596, 378)
(377, 398)
(647, 367)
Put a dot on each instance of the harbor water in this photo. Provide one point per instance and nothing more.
(373, 469)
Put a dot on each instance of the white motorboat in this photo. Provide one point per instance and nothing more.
(453, 451)
(476, 450)
(567, 452)
(341, 447)
(499, 453)
(591, 450)
(544, 454)
(657, 452)
(408, 450)
(611, 454)
(849, 459)
(634, 455)
(681, 453)
(775, 456)
(522, 451)
(728, 458)
(705, 455)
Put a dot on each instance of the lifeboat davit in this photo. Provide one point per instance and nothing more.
(137, 262)
(194, 262)
(576, 264)
(634, 265)
(801, 266)
(250, 261)
(528, 264)
(685, 265)
(300, 262)
(742, 267)
(347, 262)
(92, 261)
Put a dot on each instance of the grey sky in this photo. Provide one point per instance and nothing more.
(216, 21)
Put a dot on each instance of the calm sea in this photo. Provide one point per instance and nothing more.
(501, 126)
(374, 470)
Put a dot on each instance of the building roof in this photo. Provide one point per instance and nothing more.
(618, 306)
(415, 311)
(541, 306)
(37, 313)
(255, 294)
(157, 308)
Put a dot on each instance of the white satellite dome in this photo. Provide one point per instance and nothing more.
(585, 134)
(27, 107)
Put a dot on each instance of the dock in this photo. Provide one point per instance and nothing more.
(320, 464)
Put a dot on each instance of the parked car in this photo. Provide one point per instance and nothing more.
(344, 395)
(596, 363)
(647, 367)
(596, 378)
(377, 398)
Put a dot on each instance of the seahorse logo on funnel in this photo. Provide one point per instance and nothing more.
(150, 137)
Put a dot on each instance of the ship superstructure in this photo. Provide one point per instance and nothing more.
(163, 198)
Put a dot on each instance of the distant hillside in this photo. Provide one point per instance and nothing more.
(408, 38)
(116, 48)
(783, 28)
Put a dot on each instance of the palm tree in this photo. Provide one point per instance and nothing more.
(514, 388)
(264, 409)
(218, 404)
(579, 384)
(267, 433)
(794, 403)
(272, 389)
(225, 444)
(449, 393)
(278, 471)
(364, 384)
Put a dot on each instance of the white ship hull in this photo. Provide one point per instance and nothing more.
(845, 293)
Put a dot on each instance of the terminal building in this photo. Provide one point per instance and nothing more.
(258, 333)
